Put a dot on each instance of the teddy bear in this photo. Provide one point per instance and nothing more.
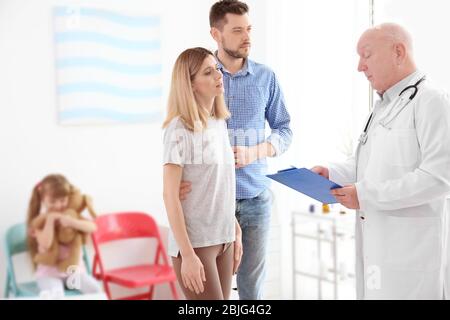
(68, 236)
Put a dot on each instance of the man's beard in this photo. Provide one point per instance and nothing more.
(235, 53)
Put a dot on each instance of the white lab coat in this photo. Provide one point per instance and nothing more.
(402, 177)
(447, 249)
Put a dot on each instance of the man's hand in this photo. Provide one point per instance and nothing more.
(347, 196)
(243, 156)
(321, 171)
(238, 251)
(185, 188)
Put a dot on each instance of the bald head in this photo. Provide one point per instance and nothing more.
(386, 55)
(394, 34)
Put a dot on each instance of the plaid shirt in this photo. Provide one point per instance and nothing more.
(253, 95)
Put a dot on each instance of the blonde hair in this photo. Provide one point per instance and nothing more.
(54, 185)
(182, 102)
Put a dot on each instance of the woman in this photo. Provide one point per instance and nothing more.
(205, 238)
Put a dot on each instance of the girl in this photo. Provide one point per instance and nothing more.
(205, 238)
(51, 197)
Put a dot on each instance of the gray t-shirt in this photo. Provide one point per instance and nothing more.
(208, 163)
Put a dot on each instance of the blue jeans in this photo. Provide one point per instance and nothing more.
(253, 216)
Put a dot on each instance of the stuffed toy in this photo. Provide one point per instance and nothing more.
(68, 236)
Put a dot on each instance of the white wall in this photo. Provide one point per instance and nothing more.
(428, 23)
(312, 48)
(120, 166)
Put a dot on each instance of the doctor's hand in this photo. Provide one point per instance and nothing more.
(185, 188)
(347, 196)
(321, 171)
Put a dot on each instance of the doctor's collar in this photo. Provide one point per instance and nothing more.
(394, 91)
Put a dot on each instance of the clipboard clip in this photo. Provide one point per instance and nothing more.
(289, 169)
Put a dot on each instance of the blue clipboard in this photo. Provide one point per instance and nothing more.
(307, 182)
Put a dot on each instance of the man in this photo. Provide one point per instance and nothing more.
(253, 96)
(400, 176)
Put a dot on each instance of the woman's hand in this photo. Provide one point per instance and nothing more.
(238, 251)
(193, 273)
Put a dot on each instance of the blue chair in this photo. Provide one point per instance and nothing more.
(15, 243)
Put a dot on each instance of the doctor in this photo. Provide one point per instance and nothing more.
(400, 175)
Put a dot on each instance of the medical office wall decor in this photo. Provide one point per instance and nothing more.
(108, 66)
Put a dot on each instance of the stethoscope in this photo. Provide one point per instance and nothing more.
(389, 117)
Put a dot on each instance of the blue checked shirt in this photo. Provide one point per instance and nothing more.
(253, 95)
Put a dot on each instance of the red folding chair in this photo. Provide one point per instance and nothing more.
(128, 225)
